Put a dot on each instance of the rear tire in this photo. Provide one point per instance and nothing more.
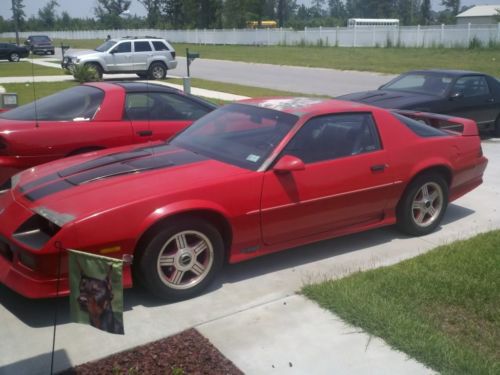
(180, 259)
(14, 57)
(423, 205)
(157, 70)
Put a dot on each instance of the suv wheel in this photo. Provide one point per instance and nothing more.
(97, 68)
(157, 70)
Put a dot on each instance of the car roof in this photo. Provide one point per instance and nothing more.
(301, 106)
(449, 72)
(144, 86)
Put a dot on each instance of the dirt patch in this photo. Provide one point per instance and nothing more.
(185, 353)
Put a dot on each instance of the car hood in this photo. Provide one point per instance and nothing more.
(78, 53)
(388, 99)
(89, 184)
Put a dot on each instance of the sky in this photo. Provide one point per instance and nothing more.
(84, 8)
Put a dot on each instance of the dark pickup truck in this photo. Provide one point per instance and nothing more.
(40, 44)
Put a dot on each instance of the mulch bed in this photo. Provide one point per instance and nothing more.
(185, 353)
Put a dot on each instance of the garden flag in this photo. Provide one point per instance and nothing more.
(96, 287)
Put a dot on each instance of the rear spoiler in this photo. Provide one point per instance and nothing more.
(458, 125)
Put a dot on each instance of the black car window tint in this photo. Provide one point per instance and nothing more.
(142, 46)
(471, 86)
(160, 46)
(334, 136)
(176, 107)
(138, 106)
(124, 47)
(78, 103)
(420, 128)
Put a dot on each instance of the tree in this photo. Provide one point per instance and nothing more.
(47, 14)
(337, 9)
(109, 12)
(18, 16)
(425, 12)
(153, 16)
(452, 5)
(284, 10)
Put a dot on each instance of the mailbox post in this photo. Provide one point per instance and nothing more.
(190, 56)
(64, 49)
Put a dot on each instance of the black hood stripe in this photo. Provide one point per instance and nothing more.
(120, 167)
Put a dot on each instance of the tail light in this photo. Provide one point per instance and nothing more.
(480, 153)
(173, 54)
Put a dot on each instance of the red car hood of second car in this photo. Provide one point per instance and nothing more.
(92, 183)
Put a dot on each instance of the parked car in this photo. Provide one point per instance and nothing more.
(12, 52)
(90, 117)
(147, 57)
(453, 92)
(246, 180)
(40, 44)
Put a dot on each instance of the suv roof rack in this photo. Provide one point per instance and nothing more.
(140, 37)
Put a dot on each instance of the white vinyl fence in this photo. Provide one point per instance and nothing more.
(361, 36)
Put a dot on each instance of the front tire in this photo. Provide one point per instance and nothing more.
(97, 69)
(157, 70)
(14, 57)
(423, 205)
(181, 259)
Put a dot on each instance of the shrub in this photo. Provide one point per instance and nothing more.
(85, 73)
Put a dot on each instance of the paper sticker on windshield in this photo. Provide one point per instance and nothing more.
(253, 158)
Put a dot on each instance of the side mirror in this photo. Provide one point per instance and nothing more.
(456, 95)
(289, 163)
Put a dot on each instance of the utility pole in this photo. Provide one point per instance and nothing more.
(16, 24)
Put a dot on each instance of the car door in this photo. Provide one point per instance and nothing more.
(4, 51)
(142, 54)
(120, 58)
(160, 115)
(345, 181)
(472, 98)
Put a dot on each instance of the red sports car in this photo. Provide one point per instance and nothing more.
(248, 179)
(91, 117)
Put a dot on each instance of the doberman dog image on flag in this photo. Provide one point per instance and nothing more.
(96, 296)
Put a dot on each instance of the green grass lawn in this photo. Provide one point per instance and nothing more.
(26, 93)
(442, 308)
(24, 68)
(383, 60)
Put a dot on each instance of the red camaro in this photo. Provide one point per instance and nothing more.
(92, 117)
(248, 179)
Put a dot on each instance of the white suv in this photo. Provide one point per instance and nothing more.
(147, 57)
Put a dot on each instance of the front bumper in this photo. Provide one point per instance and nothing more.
(41, 49)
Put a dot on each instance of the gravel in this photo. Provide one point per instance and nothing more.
(185, 353)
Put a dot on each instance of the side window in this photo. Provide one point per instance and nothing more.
(160, 46)
(471, 86)
(142, 47)
(334, 136)
(124, 47)
(172, 106)
(157, 106)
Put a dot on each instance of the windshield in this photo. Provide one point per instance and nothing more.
(40, 38)
(423, 83)
(239, 134)
(105, 46)
(78, 103)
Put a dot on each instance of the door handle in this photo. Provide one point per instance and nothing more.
(378, 167)
(145, 133)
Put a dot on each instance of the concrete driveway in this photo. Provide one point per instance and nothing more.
(252, 313)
